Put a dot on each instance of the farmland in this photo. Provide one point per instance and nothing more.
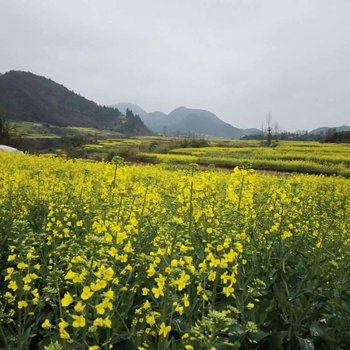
(289, 156)
(285, 156)
(112, 256)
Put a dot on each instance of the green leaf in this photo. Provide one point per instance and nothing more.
(317, 329)
(276, 341)
(177, 324)
(306, 344)
(124, 345)
(258, 336)
(280, 294)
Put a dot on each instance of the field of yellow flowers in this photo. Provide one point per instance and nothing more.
(106, 256)
(286, 156)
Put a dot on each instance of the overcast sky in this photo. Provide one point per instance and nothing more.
(240, 59)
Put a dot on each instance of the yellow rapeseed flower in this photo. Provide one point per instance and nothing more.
(70, 275)
(100, 308)
(11, 257)
(250, 306)
(87, 293)
(79, 321)
(22, 304)
(185, 300)
(164, 330)
(228, 290)
(46, 324)
(150, 319)
(13, 285)
(67, 299)
(22, 266)
(79, 307)
(62, 325)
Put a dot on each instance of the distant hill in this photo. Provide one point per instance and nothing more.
(156, 121)
(184, 120)
(133, 107)
(25, 96)
(201, 122)
(324, 129)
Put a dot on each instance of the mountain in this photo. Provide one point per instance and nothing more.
(252, 131)
(25, 96)
(131, 106)
(156, 121)
(183, 120)
(324, 129)
(200, 122)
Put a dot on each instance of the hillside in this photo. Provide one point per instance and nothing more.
(28, 97)
(184, 120)
(324, 129)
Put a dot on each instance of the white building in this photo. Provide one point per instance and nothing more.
(8, 149)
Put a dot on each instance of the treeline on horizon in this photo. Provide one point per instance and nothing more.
(330, 136)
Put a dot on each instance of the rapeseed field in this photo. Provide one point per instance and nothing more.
(107, 256)
(285, 156)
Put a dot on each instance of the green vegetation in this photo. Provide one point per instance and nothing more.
(337, 136)
(8, 133)
(290, 156)
(5, 133)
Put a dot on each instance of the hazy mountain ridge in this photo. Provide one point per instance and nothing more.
(324, 129)
(25, 96)
(183, 120)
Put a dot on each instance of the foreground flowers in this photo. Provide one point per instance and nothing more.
(97, 255)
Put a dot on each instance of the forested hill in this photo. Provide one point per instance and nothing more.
(25, 96)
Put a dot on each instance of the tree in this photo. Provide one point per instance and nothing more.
(5, 131)
(269, 129)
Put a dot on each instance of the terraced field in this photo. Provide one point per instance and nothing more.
(304, 157)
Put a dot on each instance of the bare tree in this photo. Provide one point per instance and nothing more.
(269, 129)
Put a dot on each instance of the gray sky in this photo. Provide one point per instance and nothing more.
(237, 58)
